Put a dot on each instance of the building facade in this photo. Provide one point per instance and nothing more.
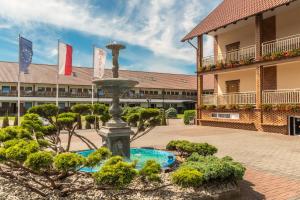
(256, 66)
(154, 90)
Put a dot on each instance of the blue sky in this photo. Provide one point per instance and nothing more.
(150, 29)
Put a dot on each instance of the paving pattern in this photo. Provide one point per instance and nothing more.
(272, 160)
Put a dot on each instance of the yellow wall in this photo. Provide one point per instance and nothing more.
(245, 35)
(247, 80)
(288, 23)
(288, 76)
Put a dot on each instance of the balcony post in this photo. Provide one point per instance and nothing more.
(259, 86)
(199, 77)
(258, 36)
(216, 49)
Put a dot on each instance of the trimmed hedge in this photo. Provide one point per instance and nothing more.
(186, 148)
(200, 170)
(188, 115)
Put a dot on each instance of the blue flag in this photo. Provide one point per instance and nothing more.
(25, 54)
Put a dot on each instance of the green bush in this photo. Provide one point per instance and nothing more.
(19, 149)
(68, 161)
(40, 161)
(233, 107)
(97, 156)
(171, 113)
(215, 169)
(221, 107)
(10, 133)
(81, 108)
(267, 107)
(150, 171)
(187, 177)
(5, 122)
(248, 107)
(115, 173)
(186, 148)
(46, 110)
(188, 116)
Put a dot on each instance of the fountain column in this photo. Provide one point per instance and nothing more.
(116, 133)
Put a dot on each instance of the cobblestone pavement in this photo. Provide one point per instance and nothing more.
(272, 160)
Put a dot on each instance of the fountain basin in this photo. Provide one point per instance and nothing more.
(164, 158)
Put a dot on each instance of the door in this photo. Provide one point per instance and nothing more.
(231, 54)
(269, 29)
(297, 126)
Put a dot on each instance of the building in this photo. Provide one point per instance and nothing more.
(39, 86)
(256, 66)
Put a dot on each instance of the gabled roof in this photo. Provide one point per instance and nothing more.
(230, 11)
(46, 74)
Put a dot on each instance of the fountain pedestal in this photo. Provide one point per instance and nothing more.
(116, 134)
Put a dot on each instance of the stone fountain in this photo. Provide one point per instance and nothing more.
(116, 133)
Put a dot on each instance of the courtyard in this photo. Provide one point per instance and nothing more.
(272, 160)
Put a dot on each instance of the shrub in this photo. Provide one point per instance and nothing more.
(221, 107)
(172, 145)
(68, 161)
(151, 171)
(215, 169)
(5, 122)
(186, 148)
(46, 110)
(293, 107)
(97, 156)
(203, 107)
(233, 107)
(211, 107)
(19, 149)
(188, 116)
(248, 107)
(87, 125)
(267, 107)
(187, 177)
(281, 107)
(116, 173)
(92, 119)
(80, 108)
(171, 113)
(39, 161)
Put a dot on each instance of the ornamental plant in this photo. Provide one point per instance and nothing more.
(5, 122)
(151, 171)
(267, 107)
(188, 116)
(171, 113)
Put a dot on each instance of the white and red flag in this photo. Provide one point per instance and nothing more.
(65, 59)
(99, 62)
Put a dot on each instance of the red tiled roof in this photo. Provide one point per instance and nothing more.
(230, 11)
(41, 73)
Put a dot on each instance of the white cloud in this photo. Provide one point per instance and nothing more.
(158, 25)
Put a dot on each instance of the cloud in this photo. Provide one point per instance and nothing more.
(157, 25)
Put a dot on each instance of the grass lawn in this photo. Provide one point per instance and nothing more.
(179, 116)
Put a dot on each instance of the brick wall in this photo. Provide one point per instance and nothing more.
(272, 121)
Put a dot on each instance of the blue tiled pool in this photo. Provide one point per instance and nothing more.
(165, 159)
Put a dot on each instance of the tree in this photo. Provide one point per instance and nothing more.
(80, 109)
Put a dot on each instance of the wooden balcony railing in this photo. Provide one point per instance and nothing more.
(281, 96)
(242, 54)
(229, 99)
(281, 44)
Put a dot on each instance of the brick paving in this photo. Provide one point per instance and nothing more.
(272, 160)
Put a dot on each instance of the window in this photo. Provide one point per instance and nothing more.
(5, 89)
(85, 90)
(28, 89)
(146, 92)
(41, 89)
(13, 88)
(48, 89)
(61, 105)
(226, 115)
(176, 93)
(233, 86)
(156, 92)
(233, 46)
(28, 105)
(151, 92)
(61, 89)
(183, 93)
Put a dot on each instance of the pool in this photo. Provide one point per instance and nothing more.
(164, 158)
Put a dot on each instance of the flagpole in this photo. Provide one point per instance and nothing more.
(93, 74)
(19, 87)
(57, 76)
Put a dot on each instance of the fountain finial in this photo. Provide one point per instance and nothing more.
(115, 48)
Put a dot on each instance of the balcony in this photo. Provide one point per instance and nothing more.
(281, 48)
(247, 98)
(281, 96)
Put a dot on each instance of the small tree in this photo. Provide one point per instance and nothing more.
(171, 113)
(5, 122)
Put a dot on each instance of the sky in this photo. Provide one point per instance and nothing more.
(151, 30)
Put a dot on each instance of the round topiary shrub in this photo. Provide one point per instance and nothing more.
(188, 116)
(151, 171)
(171, 113)
(187, 177)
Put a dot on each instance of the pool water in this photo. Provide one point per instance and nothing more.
(164, 158)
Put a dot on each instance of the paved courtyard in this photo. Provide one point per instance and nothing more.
(272, 160)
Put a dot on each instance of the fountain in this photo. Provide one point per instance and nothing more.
(116, 133)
